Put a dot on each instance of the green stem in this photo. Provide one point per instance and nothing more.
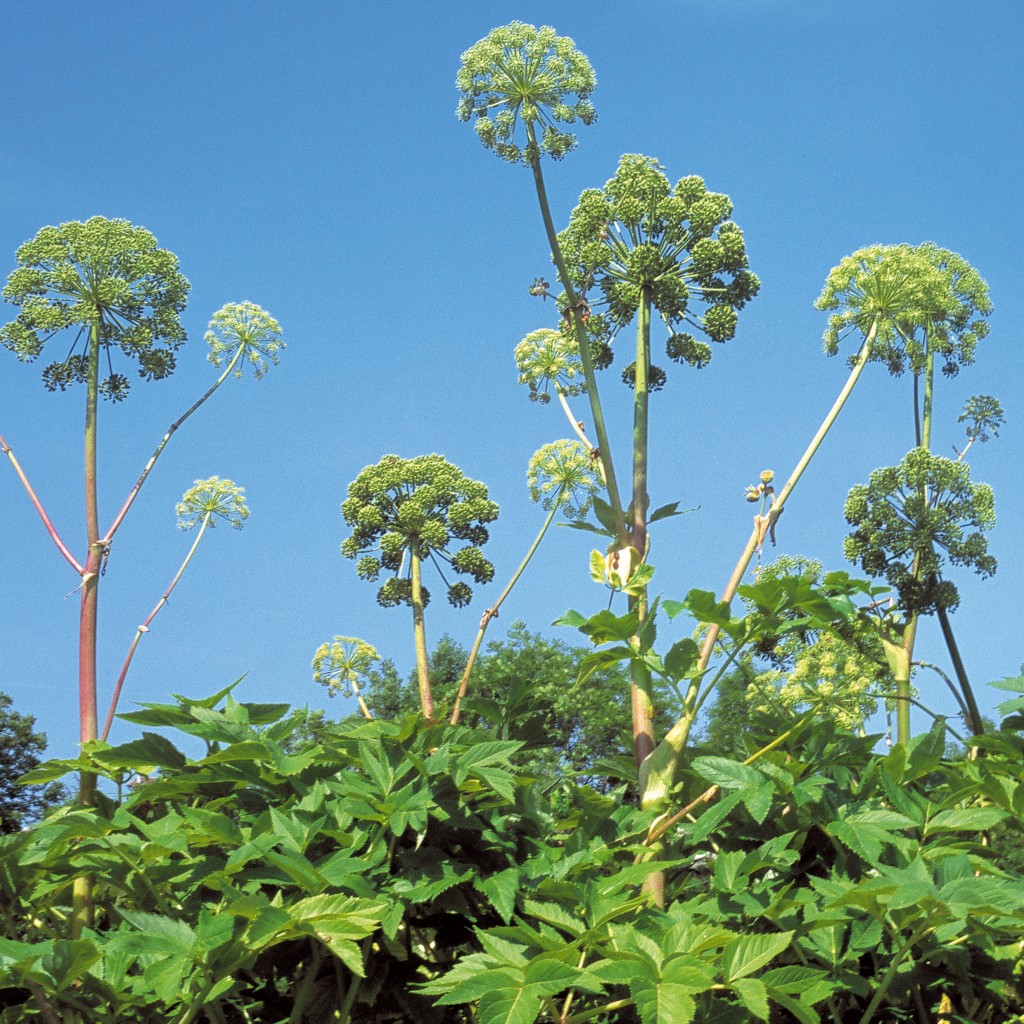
(492, 612)
(163, 444)
(903, 731)
(596, 1011)
(582, 342)
(144, 628)
(890, 974)
(420, 635)
(975, 724)
(664, 762)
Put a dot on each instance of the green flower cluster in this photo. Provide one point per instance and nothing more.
(639, 233)
(907, 516)
(216, 498)
(984, 417)
(546, 357)
(522, 75)
(919, 299)
(417, 507)
(564, 474)
(102, 274)
(342, 664)
(247, 327)
(841, 675)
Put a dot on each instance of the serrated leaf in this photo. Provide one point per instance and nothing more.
(965, 819)
(752, 995)
(501, 890)
(748, 953)
(151, 751)
(726, 773)
(571, 618)
(660, 1002)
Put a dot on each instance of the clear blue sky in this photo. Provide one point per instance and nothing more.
(306, 157)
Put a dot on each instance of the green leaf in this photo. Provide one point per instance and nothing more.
(753, 996)
(571, 618)
(748, 953)
(501, 890)
(151, 751)
(604, 514)
(965, 819)
(681, 657)
(589, 528)
(667, 511)
(598, 660)
(662, 1002)
(726, 773)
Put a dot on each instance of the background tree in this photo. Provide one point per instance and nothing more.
(21, 750)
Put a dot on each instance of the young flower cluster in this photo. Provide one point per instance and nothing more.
(244, 329)
(639, 234)
(342, 664)
(984, 417)
(564, 474)
(522, 76)
(908, 515)
(417, 507)
(213, 498)
(548, 357)
(919, 299)
(102, 275)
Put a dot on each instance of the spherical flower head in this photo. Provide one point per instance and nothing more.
(521, 79)
(984, 417)
(247, 327)
(564, 474)
(103, 276)
(640, 236)
(903, 293)
(342, 664)
(767, 476)
(549, 358)
(418, 506)
(214, 499)
(911, 519)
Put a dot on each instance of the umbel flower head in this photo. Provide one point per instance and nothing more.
(915, 516)
(417, 507)
(102, 274)
(548, 357)
(984, 417)
(564, 474)
(342, 664)
(214, 499)
(244, 329)
(916, 298)
(640, 234)
(523, 78)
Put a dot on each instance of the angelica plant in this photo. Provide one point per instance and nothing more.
(562, 477)
(407, 511)
(342, 666)
(521, 85)
(948, 325)
(104, 290)
(205, 502)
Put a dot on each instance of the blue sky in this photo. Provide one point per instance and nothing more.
(306, 157)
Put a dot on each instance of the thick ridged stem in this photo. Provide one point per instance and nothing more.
(420, 635)
(663, 764)
(82, 909)
(144, 628)
(641, 696)
(975, 723)
(582, 342)
(903, 730)
(492, 612)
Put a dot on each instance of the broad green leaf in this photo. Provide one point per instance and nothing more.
(151, 751)
(727, 774)
(965, 819)
(501, 890)
(752, 995)
(662, 1002)
(748, 953)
